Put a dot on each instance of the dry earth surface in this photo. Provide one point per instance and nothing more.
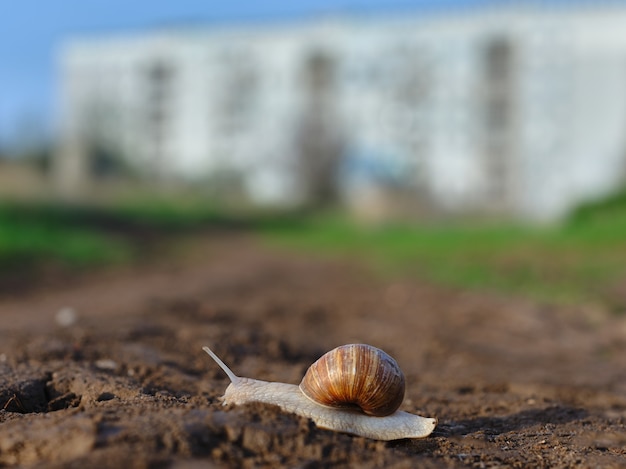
(107, 370)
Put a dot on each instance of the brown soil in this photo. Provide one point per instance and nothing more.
(109, 372)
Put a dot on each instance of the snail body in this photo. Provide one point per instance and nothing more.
(337, 414)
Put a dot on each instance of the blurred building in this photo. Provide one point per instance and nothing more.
(516, 110)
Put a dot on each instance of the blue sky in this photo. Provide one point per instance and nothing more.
(31, 32)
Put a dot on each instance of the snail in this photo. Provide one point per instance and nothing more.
(354, 389)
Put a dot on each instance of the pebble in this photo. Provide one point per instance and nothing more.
(66, 317)
(106, 364)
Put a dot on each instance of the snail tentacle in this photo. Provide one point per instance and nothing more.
(232, 376)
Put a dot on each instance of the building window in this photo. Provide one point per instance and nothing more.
(498, 109)
(159, 79)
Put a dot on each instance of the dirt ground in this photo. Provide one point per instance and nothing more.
(107, 370)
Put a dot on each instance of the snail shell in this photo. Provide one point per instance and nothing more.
(356, 375)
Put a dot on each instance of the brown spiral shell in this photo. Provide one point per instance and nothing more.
(356, 375)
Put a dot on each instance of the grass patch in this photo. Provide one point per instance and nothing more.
(578, 261)
(74, 236)
(28, 244)
(29, 239)
(584, 259)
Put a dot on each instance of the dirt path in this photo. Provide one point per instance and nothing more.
(110, 372)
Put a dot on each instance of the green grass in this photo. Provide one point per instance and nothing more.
(28, 244)
(581, 260)
(28, 240)
(172, 214)
(33, 234)
(75, 236)
(577, 261)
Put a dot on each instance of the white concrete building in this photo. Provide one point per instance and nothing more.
(521, 111)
